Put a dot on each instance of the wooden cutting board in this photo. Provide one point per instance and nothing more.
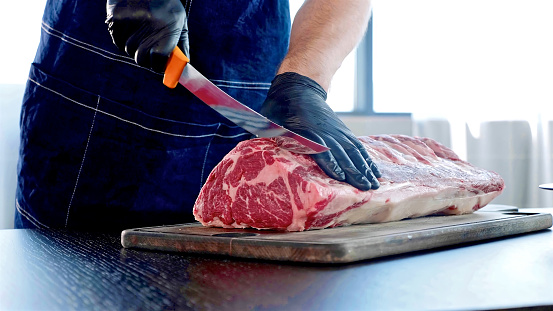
(337, 245)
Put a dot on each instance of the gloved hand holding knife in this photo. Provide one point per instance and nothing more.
(149, 30)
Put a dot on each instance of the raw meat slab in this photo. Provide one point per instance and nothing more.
(261, 185)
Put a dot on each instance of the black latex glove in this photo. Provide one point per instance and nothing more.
(148, 30)
(299, 104)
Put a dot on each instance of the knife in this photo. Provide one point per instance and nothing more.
(546, 186)
(179, 70)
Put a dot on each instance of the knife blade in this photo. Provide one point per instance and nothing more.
(179, 70)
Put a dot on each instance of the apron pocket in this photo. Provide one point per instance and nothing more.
(89, 162)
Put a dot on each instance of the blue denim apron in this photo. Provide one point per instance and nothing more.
(105, 145)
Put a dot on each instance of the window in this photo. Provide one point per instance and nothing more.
(351, 91)
(452, 57)
(466, 59)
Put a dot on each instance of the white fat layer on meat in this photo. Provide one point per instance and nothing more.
(216, 222)
(309, 198)
(376, 212)
(347, 197)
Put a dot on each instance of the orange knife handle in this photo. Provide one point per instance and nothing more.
(175, 65)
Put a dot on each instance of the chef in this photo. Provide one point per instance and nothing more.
(106, 146)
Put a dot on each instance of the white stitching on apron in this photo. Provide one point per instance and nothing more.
(244, 87)
(240, 82)
(189, 4)
(61, 34)
(130, 61)
(205, 158)
(82, 162)
(67, 39)
(142, 126)
(29, 217)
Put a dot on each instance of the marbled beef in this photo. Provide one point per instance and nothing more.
(261, 185)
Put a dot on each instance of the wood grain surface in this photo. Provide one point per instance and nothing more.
(59, 270)
(337, 245)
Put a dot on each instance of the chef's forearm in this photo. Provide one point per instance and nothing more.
(324, 32)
